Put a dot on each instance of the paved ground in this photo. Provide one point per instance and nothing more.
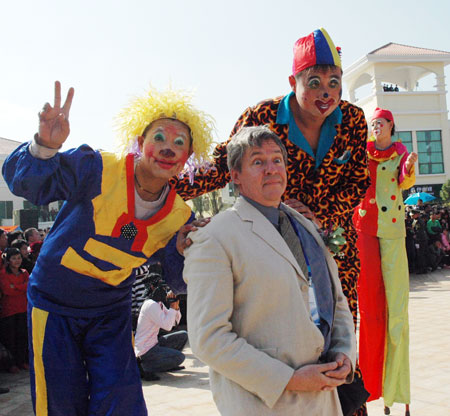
(187, 392)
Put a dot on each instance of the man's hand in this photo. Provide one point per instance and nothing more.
(54, 121)
(174, 305)
(344, 367)
(182, 240)
(313, 378)
(304, 210)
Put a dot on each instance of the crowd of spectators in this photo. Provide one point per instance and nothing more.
(427, 237)
(18, 254)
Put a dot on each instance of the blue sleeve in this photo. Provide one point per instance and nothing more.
(173, 264)
(68, 175)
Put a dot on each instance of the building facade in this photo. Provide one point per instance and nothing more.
(11, 204)
(390, 77)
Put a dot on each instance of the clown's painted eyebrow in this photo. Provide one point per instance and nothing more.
(317, 76)
(163, 129)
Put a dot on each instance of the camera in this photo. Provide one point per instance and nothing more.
(157, 289)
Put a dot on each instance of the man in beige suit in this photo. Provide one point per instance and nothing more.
(266, 310)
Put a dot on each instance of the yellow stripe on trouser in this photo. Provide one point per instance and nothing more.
(394, 265)
(39, 321)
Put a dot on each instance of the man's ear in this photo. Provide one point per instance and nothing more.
(292, 82)
(235, 176)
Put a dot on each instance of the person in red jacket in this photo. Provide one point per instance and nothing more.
(13, 322)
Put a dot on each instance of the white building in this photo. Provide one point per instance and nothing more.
(9, 202)
(390, 77)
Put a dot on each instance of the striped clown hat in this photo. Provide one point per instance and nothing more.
(315, 49)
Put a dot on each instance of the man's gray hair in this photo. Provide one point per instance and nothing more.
(248, 137)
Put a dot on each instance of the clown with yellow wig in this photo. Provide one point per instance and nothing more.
(119, 210)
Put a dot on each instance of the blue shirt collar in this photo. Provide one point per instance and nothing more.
(327, 132)
(284, 111)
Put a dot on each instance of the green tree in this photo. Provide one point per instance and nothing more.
(215, 200)
(209, 204)
(199, 206)
(445, 192)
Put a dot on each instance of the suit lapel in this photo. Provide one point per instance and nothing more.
(310, 227)
(262, 227)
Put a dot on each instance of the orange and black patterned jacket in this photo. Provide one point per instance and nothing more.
(332, 190)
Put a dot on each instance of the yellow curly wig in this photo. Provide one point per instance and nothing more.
(176, 104)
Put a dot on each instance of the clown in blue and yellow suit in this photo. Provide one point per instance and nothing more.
(119, 210)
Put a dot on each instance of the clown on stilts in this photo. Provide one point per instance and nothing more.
(383, 286)
(119, 210)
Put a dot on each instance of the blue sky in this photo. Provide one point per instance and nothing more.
(231, 53)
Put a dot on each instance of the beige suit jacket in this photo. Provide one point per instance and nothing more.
(248, 316)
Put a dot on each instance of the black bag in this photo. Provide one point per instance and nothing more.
(352, 396)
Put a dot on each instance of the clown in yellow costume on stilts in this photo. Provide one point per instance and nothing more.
(383, 287)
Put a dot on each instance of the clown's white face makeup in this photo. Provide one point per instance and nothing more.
(165, 149)
(381, 128)
(318, 92)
